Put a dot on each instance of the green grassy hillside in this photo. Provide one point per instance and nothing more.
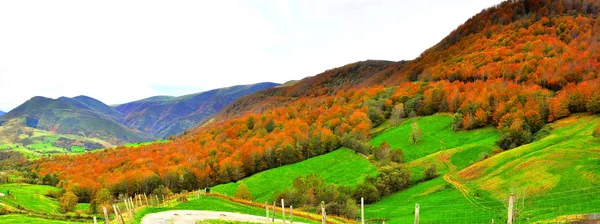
(34, 142)
(340, 167)
(30, 197)
(22, 219)
(556, 176)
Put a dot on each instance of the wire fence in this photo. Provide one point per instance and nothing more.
(569, 206)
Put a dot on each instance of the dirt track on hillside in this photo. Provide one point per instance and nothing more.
(191, 216)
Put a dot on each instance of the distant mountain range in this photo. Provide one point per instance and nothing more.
(161, 116)
(152, 118)
(2, 113)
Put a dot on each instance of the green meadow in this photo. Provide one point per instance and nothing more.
(340, 167)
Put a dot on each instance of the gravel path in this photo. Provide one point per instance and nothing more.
(191, 216)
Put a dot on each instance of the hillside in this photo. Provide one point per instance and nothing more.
(539, 64)
(2, 113)
(75, 116)
(330, 82)
(161, 116)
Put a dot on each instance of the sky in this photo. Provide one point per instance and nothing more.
(120, 51)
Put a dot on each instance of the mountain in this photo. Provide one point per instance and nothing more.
(161, 116)
(2, 113)
(80, 115)
(330, 82)
(514, 70)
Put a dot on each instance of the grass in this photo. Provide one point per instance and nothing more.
(208, 204)
(135, 145)
(437, 136)
(556, 176)
(29, 196)
(340, 167)
(23, 219)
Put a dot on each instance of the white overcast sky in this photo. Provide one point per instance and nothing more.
(120, 51)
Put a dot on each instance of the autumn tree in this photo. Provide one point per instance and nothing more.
(515, 135)
(415, 133)
(68, 202)
(243, 192)
(103, 198)
(397, 114)
(382, 153)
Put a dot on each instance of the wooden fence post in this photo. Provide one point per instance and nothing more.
(95, 222)
(267, 211)
(362, 210)
(324, 219)
(283, 210)
(273, 220)
(120, 214)
(291, 214)
(106, 220)
(116, 213)
(511, 201)
(148, 204)
(417, 214)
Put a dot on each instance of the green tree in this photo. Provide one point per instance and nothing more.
(392, 179)
(368, 191)
(270, 126)
(68, 202)
(243, 192)
(415, 133)
(375, 115)
(250, 123)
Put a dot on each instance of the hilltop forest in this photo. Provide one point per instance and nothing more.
(516, 66)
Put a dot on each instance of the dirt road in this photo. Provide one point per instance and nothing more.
(191, 216)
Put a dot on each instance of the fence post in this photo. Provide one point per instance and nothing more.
(120, 214)
(291, 214)
(95, 222)
(324, 219)
(116, 213)
(510, 209)
(417, 214)
(267, 211)
(362, 210)
(106, 220)
(283, 210)
(273, 220)
(148, 204)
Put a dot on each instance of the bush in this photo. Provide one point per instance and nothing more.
(514, 136)
(368, 191)
(243, 192)
(497, 151)
(430, 173)
(392, 179)
(397, 156)
(68, 202)
(596, 132)
(182, 198)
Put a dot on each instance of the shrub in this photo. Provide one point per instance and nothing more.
(596, 132)
(392, 179)
(430, 173)
(68, 202)
(243, 192)
(368, 191)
